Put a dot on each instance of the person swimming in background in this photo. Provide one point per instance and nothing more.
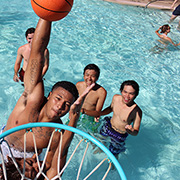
(164, 39)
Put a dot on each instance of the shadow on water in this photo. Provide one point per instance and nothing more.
(145, 152)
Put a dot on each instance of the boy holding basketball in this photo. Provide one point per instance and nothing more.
(31, 107)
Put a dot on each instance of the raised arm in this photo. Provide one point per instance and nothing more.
(157, 32)
(33, 74)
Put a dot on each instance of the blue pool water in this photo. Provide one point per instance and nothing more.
(119, 40)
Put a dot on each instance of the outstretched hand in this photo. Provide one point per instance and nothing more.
(76, 106)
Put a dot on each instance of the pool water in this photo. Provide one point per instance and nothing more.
(119, 39)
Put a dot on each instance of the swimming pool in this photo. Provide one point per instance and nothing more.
(118, 39)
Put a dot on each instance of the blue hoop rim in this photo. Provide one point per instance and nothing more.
(72, 129)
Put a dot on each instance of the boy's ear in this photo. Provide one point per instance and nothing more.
(49, 95)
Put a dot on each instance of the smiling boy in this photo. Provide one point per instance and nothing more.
(94, 101)
(125, 112)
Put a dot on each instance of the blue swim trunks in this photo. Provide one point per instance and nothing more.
(117, 144)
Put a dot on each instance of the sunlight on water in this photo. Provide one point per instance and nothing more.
(119, 40)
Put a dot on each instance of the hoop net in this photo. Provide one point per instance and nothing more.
(84, 137)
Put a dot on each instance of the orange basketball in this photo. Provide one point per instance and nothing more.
(52, 10)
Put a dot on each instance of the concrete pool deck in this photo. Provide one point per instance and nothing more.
(159, 4)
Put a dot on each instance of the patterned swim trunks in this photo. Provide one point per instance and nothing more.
(117, 144)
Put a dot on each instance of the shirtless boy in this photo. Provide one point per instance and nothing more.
(23, 53)
(30, 108)
(125, 112)
(94, 101)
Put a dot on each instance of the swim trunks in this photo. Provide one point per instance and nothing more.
(117, 144)
(6, 150)
(21, 75)
(176, 12)
(87, 124)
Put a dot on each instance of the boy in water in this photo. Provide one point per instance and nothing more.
(94, 101)
(164, 39)
(31, 108)
(23, 53)
(125, 112)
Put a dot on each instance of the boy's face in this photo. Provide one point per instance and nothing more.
(29, 38)
(128, 94)
(31, 166)
(59, 102)
(90, 77)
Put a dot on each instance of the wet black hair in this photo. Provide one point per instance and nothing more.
(93, 67)
(70, 87)
(29, 31)
(132, 83)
